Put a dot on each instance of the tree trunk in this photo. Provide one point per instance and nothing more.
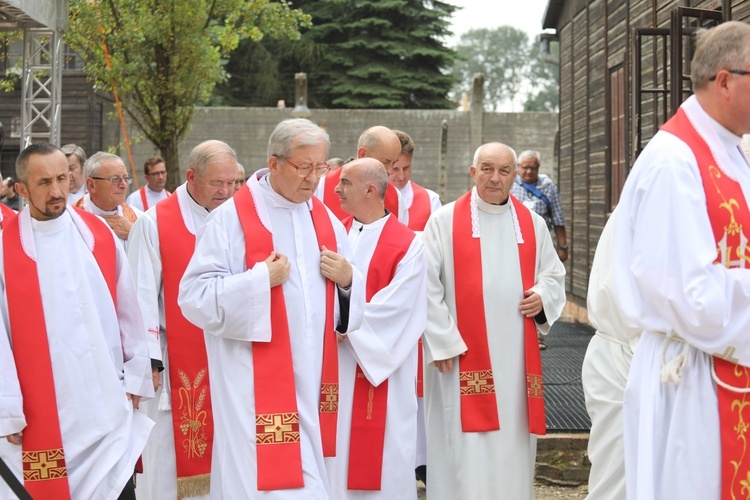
(171, 156)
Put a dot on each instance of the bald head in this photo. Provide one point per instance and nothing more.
(380, 143)
(361, 189)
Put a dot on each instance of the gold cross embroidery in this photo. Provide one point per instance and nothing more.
(278, 428)
(43, 465)
(476, 382)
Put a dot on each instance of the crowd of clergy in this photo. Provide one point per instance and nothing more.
(306, 333)
(319, 333)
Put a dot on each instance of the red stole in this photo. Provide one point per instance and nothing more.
(728, 213)
(370, 403)
(333, 202)
(420, 209)
(192, 420)
(144, 201)
(478, 402)
(277, 419)
(5, 214)
(45, 474)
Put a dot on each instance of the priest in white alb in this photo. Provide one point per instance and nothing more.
(107, 182)
(681, 271)
(604, 373)
(75, 356)
(376, 449)
(270, 283)
(493, 280)
(177, 458)
(154, 191)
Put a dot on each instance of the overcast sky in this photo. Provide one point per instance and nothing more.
(523, 14)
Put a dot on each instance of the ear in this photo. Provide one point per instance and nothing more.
(273, 164)
(722, 82)
(90, 184)
(22, 189)
(361, 152)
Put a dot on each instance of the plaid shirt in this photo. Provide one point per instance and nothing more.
(548, 189)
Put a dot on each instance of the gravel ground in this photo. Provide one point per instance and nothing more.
(541, 492)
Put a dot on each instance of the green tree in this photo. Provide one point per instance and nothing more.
(513, 69)
(543, 83)
(358, 54)
(502, 54)
(164, 57)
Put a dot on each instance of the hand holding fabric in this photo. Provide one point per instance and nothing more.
(278, 268)
(336, 268)
(119, 224)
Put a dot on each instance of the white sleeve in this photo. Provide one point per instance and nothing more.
(145, 263)
(442, 339)
(135, 344)
(218, 293)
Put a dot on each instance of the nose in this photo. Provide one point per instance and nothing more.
(337, 189)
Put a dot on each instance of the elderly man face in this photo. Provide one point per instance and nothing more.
(214, 185)
(76, 172)
(528, 169)
(46, 188)
(494, 172)
(109, 187)
(295, 175)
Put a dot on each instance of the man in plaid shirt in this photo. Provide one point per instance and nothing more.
(537, 192)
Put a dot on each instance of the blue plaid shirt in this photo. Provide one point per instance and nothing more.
(548, 189)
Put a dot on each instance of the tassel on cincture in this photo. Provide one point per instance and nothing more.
(671, 371)
(165, 403)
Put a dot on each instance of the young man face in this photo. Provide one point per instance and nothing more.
(47, 185)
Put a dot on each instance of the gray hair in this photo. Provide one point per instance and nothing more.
(202, 154)
(373, 172)
(479, 150)
(530, 153)
(240, 168)
(721, 48)
(93, 164)
(22, 162)
(293, 133)
(76, 150)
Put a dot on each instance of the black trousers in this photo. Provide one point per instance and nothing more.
(128, 493)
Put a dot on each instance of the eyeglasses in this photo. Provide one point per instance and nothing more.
(157, 174)
(320, 169)
(115, 180)
(740, 72)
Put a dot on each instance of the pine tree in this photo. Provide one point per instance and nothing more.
(358, 54)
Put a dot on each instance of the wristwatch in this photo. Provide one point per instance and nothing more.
(563, 247)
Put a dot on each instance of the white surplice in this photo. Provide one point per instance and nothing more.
(668, 285)
(403, 213)
(385, 347)
(407, 194)
(97, 353)
(232, 305)
(159, 480)
(152, 197)
(498, 464)
(604, 373)
(89, 206)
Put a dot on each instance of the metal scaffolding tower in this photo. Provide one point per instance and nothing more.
(42, 84)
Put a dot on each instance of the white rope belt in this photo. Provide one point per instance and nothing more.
(671, 371)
